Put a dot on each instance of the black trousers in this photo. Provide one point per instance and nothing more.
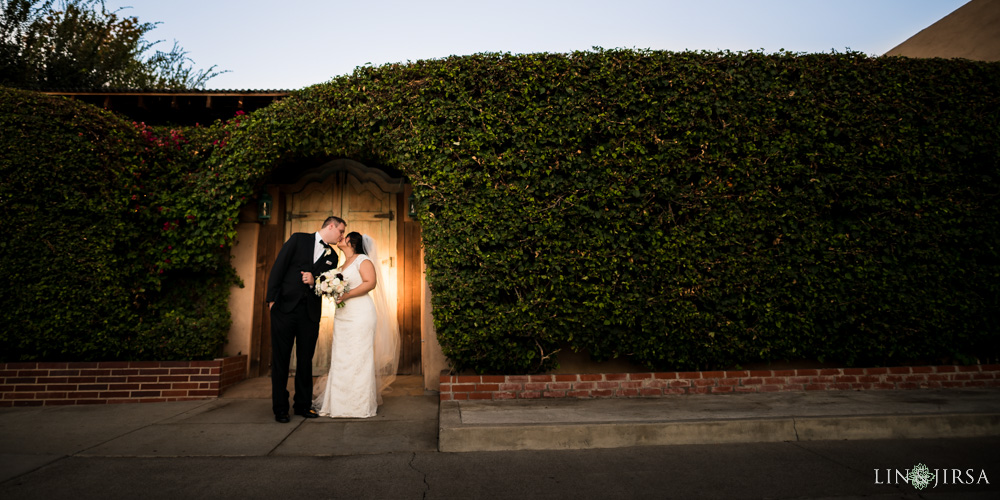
(287, 328)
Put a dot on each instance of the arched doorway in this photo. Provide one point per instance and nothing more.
(372, 202)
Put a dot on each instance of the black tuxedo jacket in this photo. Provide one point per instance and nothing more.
(284, 285)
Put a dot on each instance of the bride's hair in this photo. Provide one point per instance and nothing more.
(356, 241)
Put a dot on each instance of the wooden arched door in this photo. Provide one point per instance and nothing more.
(367, 209)
(372, 203)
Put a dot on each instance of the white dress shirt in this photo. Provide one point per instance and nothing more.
(320, 249)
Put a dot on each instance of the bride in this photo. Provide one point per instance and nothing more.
(365, 351)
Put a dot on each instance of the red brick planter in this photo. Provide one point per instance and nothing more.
(107, 382)
(632, 385)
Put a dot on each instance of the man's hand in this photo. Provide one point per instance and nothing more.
(307, 278)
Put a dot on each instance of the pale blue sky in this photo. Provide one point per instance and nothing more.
(290, 44)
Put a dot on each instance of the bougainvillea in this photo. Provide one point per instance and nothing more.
(119, 247)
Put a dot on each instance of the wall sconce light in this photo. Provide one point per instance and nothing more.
(412, 206)
(264, 205)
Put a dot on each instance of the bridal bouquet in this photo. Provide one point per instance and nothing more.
(331, 284)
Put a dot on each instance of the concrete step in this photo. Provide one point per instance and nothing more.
(559, 424)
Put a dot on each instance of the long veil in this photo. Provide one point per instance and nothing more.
(386, 327)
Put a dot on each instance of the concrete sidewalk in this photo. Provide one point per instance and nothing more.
(240, 424)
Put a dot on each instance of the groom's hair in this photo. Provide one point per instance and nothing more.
(333, 218)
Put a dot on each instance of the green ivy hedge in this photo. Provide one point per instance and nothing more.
(684, 210)
(115, 239)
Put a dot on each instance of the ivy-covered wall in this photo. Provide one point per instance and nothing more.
(685, 210)
(116, 235)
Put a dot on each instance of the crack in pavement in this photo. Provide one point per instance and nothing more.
(427, 486)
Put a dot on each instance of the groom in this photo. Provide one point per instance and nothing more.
(295, 312)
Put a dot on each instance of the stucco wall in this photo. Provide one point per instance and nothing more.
(432, 360)
(244, 255)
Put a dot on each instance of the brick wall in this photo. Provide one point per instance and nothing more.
(108, 382)
(632, 385)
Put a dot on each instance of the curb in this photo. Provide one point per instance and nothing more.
(454, 436)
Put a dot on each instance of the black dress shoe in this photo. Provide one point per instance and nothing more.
(283, 418)
(307, 413)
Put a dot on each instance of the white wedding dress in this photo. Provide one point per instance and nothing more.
(351, 390)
